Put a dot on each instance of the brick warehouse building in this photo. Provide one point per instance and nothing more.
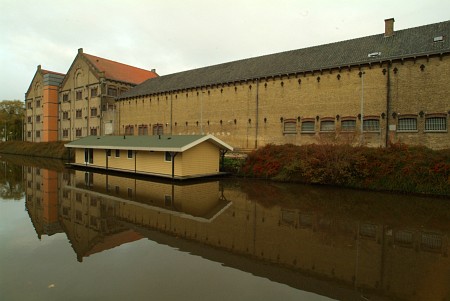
(389, 87)
(87, 92)
(41, 106)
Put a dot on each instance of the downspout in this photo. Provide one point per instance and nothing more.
(388, 102)
(172, 155)
(171, 112)
(135, 163)
(257, 114)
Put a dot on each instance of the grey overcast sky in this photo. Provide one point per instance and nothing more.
(177, 35)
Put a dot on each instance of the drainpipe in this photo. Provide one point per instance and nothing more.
(171, 112)
(172, 156)
(257, 114)
(388, 102)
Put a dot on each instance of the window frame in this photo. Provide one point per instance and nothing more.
(290, 126)
(308, 121)
(130, 151)
(369, 129)
(403, 125)
(436, 117)
(327, 121)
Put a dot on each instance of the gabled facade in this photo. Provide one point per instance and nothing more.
(86, 96)
(41, 106)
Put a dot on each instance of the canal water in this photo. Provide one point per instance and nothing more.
(76, 235)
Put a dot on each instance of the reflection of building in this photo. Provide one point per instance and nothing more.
(42, 200)
(381, 244)
(41, 106)
(178, 157)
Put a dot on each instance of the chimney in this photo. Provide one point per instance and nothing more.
(153, 70)
(80, 50)
(389, 27)
(39, 67)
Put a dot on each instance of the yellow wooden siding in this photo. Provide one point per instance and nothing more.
(99, 157)
(79, 155)
(201, 159)
(121, 163)
(153, 162)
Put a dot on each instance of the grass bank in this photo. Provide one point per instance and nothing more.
(396, 168)
(54, 150)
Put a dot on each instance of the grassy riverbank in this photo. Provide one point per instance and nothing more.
(397, 168)
(54, 150)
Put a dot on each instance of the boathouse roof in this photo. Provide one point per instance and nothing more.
(414, 42)
(162, 143)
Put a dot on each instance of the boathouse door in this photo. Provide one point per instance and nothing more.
(88, 155)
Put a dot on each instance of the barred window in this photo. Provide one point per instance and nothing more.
(93, 112)
(38, 118)
(435, 124)
(407, 124)
(327, 126)
(65, 133)
(290, 126)
(78, 132)
(348, 125)
(65, 115)
(371, 125)
(93, 131)
(78, 114)
(94, 92)
(308, 126)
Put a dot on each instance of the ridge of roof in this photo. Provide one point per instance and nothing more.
(119, 71)
(404, 43)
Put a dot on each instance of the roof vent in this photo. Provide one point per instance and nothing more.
(438, 39)
(374, 54)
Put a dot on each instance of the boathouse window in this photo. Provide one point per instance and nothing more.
(327, 126)
(348, 125)
(290, 126)
(130, 154)
(308, 126)
(407, 124)
(436, 124)
(108, 152)
(167, 157)
(117, 153)
(371, 125)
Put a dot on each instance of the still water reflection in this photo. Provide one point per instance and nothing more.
(108, 237)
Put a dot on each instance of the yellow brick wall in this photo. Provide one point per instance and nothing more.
(237, 113)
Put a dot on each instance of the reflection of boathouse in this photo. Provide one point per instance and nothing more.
(381, 244)
(181, 156)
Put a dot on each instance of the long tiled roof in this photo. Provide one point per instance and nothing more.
(410, 42)
(176, 143)
(118, 71)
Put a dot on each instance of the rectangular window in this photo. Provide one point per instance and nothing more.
(78, 132)
(29, 134)
(348, 125)
(130, 154)
(158, 129)
(308, 126)
(29, 119)
(117, 153)
(290, 126)
(79, 95)
(93, 131)
(38, 118)
(327, 126)
(38, 103)
(407, 124)
(65, 115)
(29, 105)
(143, 130)
(108, 152)
(65, 97)
(123, 90)
(93, 112)
(167, 157)
(435, 124)
(94, 92)
(371, 125)
(112, 91)
(129, 130)
(78, 114)
(65, 133)
(38, 134)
